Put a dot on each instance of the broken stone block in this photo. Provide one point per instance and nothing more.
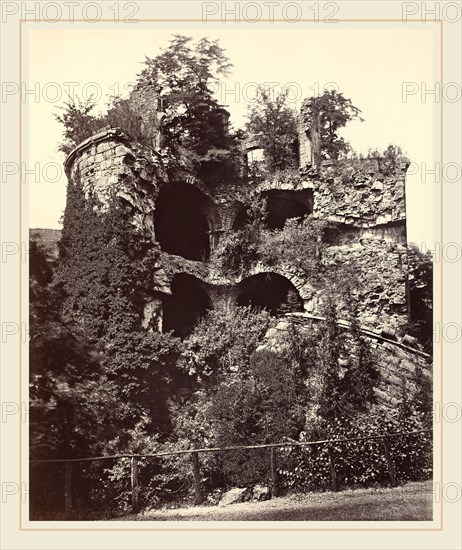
(388, 332)
(409, 341)
(371, 319)
(260, 492)
(377, 186)
(399, 300)
(233, 496)
(121, 151)
(101, 147)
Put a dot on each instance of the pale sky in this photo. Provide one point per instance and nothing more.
(368, 66)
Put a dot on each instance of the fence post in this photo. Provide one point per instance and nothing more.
(274, 474)
(67, 488)
(198, 497)
(391, 466)
(332, 468)
(134, 483)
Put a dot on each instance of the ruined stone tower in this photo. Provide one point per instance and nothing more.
(363, 199)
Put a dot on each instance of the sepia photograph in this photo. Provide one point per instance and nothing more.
(231, 275)
(231, 283)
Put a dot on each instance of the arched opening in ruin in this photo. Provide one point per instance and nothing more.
(186, 305)
(282, 205)
(181, 223)
(269, 291)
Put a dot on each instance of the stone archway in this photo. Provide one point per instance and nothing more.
(270, 291)
(182, 221)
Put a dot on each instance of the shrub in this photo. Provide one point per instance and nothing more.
(359, 463)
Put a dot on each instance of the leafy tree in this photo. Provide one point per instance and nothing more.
(326, 115)
(78, 122)
(300, 243)
(194, 128)
(274, 124)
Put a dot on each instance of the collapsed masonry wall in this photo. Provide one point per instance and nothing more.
(361, 193)
(109, 163)
(378, 269)
(399, 366)
(365, 200)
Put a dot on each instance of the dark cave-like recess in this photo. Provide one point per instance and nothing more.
(269, 291)
(187, 304)
(180, 222)
(283, 205)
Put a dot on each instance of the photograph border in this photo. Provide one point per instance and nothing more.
(271, 527)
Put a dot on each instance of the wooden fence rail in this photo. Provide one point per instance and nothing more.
(199, 497)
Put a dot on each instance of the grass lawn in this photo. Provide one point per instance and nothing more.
(412, 501)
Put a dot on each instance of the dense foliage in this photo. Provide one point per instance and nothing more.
(273, 123)
(80, 122)
(359, 463)
(241, 392)
(100, 383)
(267, 387)
(195, 127)
(299, 244)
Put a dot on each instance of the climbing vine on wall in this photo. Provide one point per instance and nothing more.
(299, 244)
(105, 266)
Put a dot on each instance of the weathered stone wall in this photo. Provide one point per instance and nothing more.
(146, 103)
(397, 363)
(397, 368)
(340, 234)
(355, 193)
(380, 269)
(361, 193)
(109, 164)
(304, 145)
